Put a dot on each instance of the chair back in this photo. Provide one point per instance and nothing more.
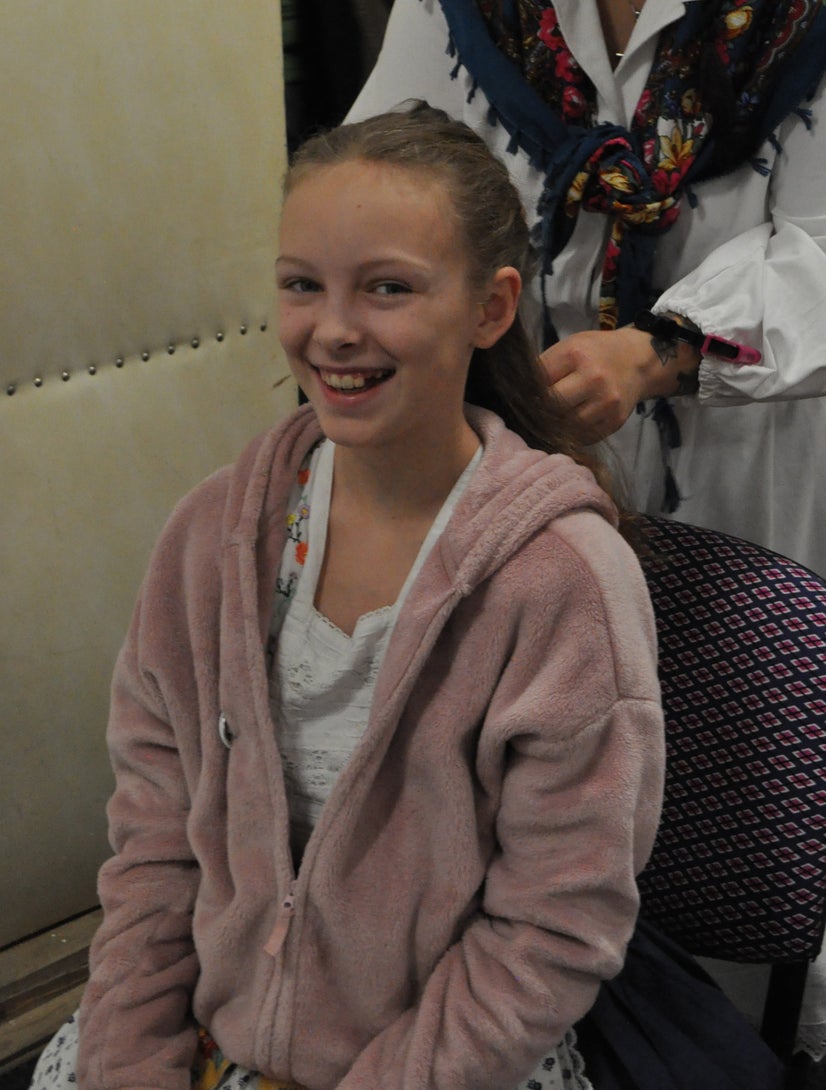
(738, 870)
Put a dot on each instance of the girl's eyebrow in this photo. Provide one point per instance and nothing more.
(292, 260)
(367, 266)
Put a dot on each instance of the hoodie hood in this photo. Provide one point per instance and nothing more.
(517, 491)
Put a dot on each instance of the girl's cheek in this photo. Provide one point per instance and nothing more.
(290, 326)
(402, 329)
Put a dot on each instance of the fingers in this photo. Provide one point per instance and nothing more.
(587, 388)
(595, 417)
(573, 389)
(557, 362)
(568, 371)
(598, 416)
(595, 379)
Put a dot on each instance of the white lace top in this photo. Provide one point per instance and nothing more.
(321, 679)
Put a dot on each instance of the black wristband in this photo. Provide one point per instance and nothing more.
(668, 329)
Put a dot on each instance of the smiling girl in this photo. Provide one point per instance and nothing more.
(386, 726)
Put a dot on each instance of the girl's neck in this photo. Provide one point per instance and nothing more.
(397, 484)
(381, 510)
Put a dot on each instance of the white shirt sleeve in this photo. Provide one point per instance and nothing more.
(767, 286)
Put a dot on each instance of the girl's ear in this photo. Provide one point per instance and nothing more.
(498, 309)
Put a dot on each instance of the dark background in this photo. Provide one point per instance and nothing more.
(330, 47)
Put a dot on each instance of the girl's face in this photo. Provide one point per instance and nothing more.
(377, 315)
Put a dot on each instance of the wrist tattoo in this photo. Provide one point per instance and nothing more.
(666, 350)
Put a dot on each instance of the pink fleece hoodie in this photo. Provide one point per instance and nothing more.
(471, 879)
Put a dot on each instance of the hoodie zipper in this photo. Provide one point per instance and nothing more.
(283, 920)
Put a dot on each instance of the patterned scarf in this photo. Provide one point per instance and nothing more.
(724, 76)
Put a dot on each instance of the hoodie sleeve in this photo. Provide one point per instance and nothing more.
(134, 1017)
(135, 1027)
(576, 723)
(168, 810)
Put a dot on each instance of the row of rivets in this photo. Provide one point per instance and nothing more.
(120, 360)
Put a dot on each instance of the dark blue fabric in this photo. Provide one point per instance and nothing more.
(663, 1024)
(523, 112)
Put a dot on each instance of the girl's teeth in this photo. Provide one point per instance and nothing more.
(349, 382)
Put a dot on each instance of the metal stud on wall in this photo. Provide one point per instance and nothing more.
(14, 386)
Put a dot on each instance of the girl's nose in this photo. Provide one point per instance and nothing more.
(337, 327)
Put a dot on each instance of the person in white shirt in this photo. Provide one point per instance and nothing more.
(744, 258)
(741, 449)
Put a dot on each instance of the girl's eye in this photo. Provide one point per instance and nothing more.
(301, 285)
(391, 287)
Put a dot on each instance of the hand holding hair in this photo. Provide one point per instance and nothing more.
(601, 375)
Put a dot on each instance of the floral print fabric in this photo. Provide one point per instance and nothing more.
(295, 554)
(212, 1070)
(703, 112)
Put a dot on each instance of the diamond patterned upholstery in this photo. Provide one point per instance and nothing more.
(738, 870)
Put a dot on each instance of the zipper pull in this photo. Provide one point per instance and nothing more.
(282, 925)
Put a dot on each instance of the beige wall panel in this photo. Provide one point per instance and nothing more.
(140, 172)
(143, 149)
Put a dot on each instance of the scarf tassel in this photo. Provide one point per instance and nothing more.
(672, 497)
(670, 439)
(666, 420)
